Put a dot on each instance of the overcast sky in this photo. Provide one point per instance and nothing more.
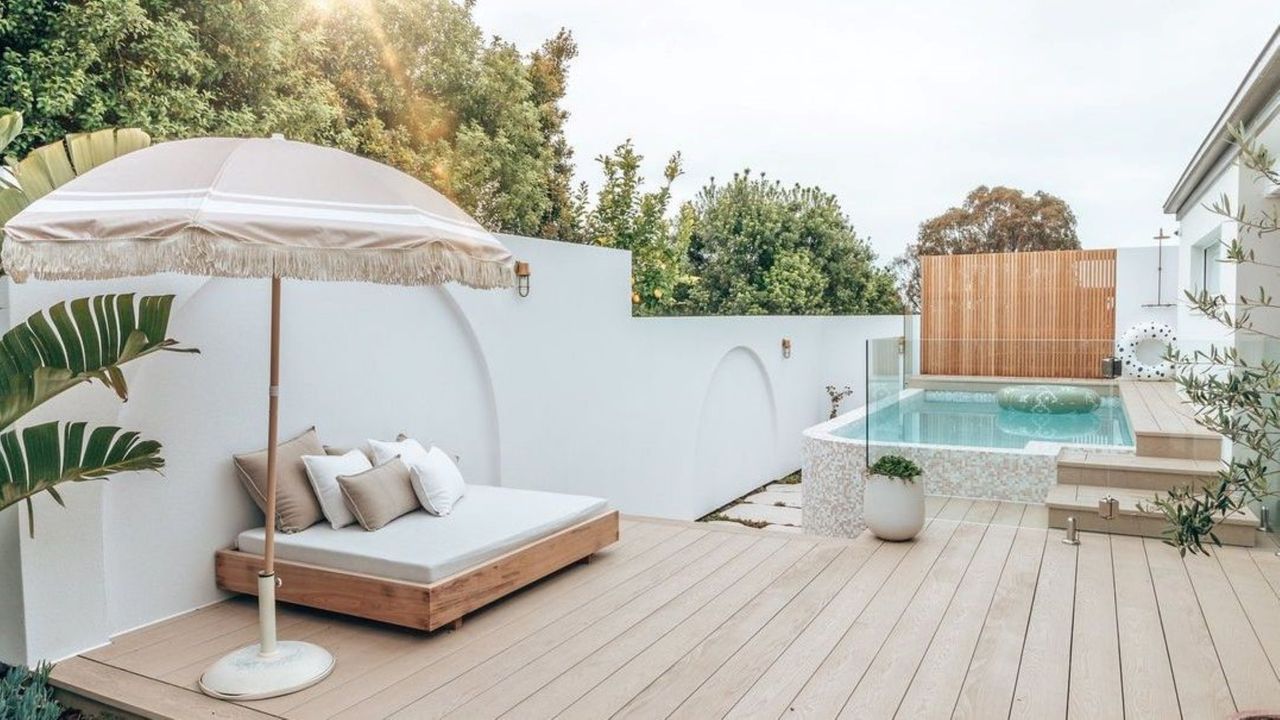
(900, 108)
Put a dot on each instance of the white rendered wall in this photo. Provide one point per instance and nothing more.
(1250, 276)
(13, 642)
(1195, 332)
(562, 390)
(1142, 288)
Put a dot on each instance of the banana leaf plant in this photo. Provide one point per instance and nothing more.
(73, 343)
(70, 344)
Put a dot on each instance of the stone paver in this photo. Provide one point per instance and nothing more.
(769, 497)
(765, 513)
(783, 487)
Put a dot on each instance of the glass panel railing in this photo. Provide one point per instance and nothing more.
(885, 380)
(910, 346)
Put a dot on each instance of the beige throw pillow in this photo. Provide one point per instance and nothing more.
(340, 450)
(380, 495)
(323, 471)
(296, 505)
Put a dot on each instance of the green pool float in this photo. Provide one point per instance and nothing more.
(1066, 427)
(1048, 399)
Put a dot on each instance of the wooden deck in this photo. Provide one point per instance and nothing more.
(985, 615)
(1163, 424)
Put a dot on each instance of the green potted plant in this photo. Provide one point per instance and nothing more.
(893, 501)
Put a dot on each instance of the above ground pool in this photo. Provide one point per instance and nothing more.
(967, 445)
(975, 419)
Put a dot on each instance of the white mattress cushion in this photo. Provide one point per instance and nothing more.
(423, 548)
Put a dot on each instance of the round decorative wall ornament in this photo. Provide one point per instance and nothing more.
(1135, 337)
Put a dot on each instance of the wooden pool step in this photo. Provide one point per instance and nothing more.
(1164, 425)
(1082, 503)
(1077, 466)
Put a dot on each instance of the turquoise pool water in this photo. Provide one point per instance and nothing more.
(970, 419)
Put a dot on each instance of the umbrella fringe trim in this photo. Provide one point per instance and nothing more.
(194, 254)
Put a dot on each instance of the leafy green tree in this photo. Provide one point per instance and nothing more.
(548, 73)
(759, 247)
(80, 66)
(420, 88)
(991, 220)
(1235, 395)
(628, 217)
(263, 70)
(793, 285)
(413, 83)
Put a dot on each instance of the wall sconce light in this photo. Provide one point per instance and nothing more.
(786, 347)
(522, 278)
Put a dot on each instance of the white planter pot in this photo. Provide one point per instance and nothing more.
(893, 509)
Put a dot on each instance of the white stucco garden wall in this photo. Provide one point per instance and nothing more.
(1145, 291)
(563, 390)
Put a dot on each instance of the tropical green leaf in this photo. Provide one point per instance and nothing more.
(40, 457)
(76, 342)
(43, 169)
(10, 126)
(12, 200)
(58, 163)
(89, 150)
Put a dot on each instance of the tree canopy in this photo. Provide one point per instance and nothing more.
(413, 83)
(759, 247)
(747, 247)
(992, 219)
(628, 217)
(417, 84)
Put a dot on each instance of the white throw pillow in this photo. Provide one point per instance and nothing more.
(323, 472)
(409, 451)
(437, 482)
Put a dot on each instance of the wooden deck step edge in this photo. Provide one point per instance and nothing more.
(147, 698)
(1116, 462)
(1156, 409)
(1065, 496)
(1062, 503)
(1142, 526)
(1166, 445)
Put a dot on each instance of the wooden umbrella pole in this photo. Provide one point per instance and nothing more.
(267, 578)
(273, 422)
(268, 669)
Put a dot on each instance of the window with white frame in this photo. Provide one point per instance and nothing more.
(1206, 265)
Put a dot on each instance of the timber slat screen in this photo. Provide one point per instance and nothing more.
(1027, 314)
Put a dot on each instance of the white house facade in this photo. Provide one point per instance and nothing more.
(1213, 176)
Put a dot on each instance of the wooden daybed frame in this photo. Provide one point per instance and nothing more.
(418, 605)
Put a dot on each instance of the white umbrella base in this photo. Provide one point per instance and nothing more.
(247, 674)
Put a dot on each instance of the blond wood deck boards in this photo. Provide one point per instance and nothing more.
(987, 614)
(1094, 690)
(1144, 662)
(1164, 425)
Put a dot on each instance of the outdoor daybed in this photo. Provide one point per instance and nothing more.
(423, 571)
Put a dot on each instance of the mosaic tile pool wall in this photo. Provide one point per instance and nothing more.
(835, 469)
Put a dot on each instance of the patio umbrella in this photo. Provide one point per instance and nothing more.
(254, 208)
